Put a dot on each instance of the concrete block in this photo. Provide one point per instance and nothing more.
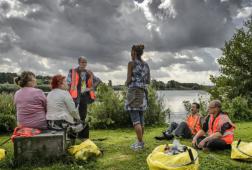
(44, 146)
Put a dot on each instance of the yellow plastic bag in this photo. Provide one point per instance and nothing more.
(84, 150)
(241, 150)
(158, 160)
(2, 154)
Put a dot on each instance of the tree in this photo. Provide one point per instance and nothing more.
(235, 66)
(7, 77)
(110, 83)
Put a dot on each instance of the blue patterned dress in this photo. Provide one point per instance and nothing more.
(137, 88)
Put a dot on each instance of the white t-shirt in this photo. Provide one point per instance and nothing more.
(60, 106)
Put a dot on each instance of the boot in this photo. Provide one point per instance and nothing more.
(168, 136)
(160, 137)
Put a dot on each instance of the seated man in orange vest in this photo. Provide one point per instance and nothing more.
(219, 128)
(184, 129)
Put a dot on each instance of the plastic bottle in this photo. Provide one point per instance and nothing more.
(175, 148)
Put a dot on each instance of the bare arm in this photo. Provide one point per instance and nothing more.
(148, 79)
(199, 134)
(129, 74)
(213, 136)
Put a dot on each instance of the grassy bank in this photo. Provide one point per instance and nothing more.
(118, 156)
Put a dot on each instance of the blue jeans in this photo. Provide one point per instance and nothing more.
(137, 117)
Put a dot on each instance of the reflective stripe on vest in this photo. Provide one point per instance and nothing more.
(214, 125)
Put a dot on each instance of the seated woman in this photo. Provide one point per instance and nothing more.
(61, 110)
(30, 102)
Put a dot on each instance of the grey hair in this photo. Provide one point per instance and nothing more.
(82, 58)
(217, 103)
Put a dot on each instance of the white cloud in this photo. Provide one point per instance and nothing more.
(198, 59)
(244, 13)
(169, 8)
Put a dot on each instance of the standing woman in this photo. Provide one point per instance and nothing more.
(30, 102)
(137, 79)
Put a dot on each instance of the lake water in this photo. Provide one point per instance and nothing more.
(173, 99)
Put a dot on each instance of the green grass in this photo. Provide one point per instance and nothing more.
(118, 155)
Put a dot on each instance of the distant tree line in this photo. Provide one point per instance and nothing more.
(174, 85)
(170, 85)
(8, 78)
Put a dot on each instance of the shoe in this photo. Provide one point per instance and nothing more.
(168, 136)
(160, 137)
(137, 146)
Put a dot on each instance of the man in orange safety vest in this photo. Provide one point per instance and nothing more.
(185, 129)
(81, 86)
(219, 128)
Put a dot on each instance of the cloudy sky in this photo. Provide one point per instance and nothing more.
(182, 38)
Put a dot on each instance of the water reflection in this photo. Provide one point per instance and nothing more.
(173, 99)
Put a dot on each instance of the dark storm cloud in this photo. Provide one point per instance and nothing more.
(99, 30)
(5, 43)
(4, 6)
(196, 23)
(104, 31)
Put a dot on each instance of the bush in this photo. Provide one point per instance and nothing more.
(12, 88)
(44, 87)
(203, 106)
(238, 108)
(108, 110)
(155, 114)
(8, 88)
(7, 112)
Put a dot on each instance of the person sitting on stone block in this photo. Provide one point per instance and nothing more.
(61, 110)
(30, 102)
(185, 129)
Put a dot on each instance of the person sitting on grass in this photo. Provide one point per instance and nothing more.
(185, 129)
(30, 102)
(219, 128)
(61, 110)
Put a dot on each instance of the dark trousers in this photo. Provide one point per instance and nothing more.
(214, 144)
(181, 129)
(82, 101)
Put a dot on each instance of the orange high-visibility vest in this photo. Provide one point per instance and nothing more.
(90, 85)
(193, 122)
(214, 125)
(74, 83)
